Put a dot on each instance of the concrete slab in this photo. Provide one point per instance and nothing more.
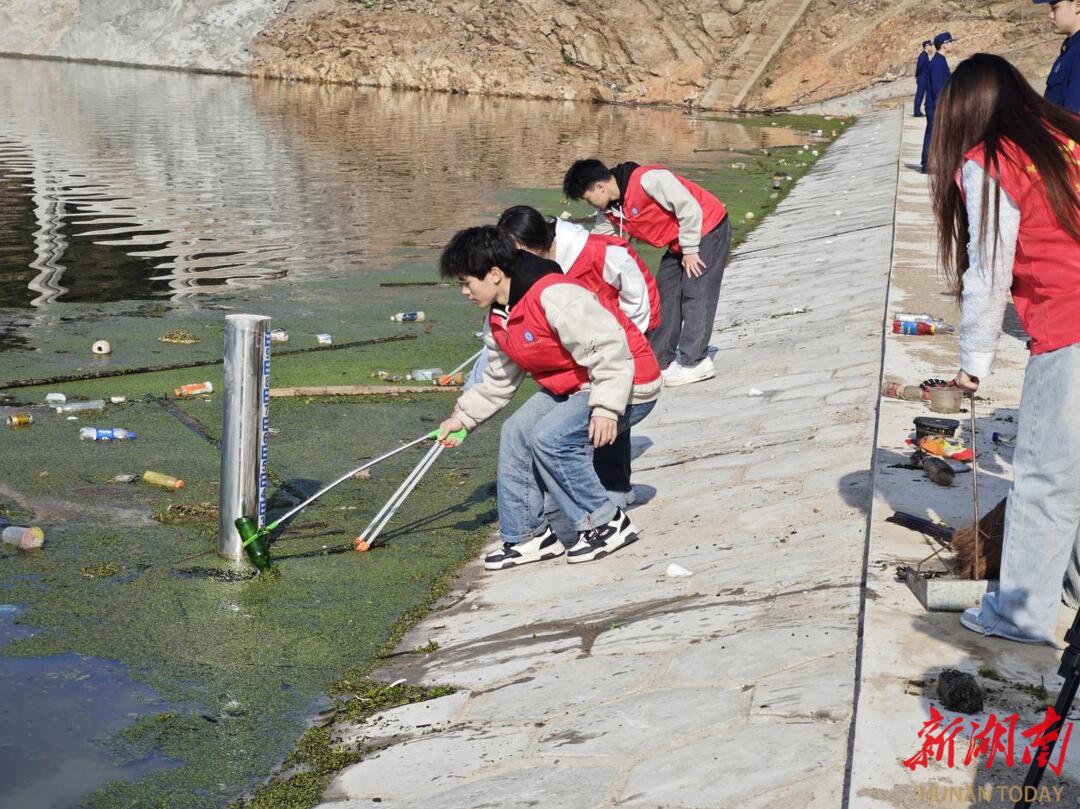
(733, 686)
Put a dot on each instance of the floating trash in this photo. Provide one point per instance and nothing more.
(125, 478)
(163, 480)
(24, 537)
(194, 389)
(81, 407)
(279, 335)
(55, 398)
(426, 374)
(20, 420)
(408, 317)
(101, 347)
(178, 336)
(106, 434)
(324, 339)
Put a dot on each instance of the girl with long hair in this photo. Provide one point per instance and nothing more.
(1005, 181)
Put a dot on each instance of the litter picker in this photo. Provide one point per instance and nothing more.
(367, 539)
(252, 536)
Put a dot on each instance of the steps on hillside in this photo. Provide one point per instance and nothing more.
(733, 79)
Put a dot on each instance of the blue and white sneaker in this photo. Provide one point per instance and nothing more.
(599, 542)
(537, 549)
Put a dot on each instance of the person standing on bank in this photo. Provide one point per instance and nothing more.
(611, 269)
(936, 77)
(1006, 194)
(922, 69)
(597, 377)
(1063, 83)
(661, 208)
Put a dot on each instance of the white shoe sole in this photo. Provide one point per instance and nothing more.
(551, 553)
(969, 619)
(668, 383)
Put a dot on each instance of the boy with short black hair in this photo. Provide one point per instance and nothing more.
(661, 208)
(598, 377)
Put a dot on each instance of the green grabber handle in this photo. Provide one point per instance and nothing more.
(266, 529)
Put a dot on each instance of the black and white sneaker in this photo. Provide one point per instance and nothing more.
(537, 549)
(599, 542)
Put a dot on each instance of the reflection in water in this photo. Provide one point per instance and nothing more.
(120, 184)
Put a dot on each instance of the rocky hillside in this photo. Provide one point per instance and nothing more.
(703, 53)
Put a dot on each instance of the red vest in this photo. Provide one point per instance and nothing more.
(588, 270)
(646, 219)
(1046, 271)
(530, 341)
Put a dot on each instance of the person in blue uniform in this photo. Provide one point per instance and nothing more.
(1063, 83)
(936, 75)
(922, 69)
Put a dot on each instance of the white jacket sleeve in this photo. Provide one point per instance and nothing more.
(989, 275)
(625, 275)
(665, 188)
(501, 379)
(596, 341)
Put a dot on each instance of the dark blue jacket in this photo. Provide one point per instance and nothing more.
(921, 65)
(939, 74)
(1063, 83)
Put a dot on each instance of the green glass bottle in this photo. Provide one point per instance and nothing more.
(254, 543)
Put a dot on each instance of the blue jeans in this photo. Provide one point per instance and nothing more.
(545, 448)
(1042, 518)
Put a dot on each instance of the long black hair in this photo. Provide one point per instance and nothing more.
(528, 227)
(987, 101)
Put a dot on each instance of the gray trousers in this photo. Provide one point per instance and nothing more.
(688, 305)
(1042, 518)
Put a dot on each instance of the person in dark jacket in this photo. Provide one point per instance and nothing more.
(1063, 83)
(937, 74)
(922, 69)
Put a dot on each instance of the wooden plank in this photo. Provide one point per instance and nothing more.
(359, 390)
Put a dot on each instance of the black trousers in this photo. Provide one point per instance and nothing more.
(612, 464)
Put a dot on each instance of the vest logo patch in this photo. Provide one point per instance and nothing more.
(633, 211)
(529, 337)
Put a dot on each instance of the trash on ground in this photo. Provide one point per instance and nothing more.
(117, 399)
(946, 400)
(324, 339)
(178, 336)
(125, 478)
(450, 379)
(20, 420)
(755, 392)
(163, 480)
(425, 374)
(24, 537)
(81, 407)
(921, 327)
(1002, 438)
(106, 434)
(922, 525)
(959, 691)
(408, 317)
(941, 446)
(678, 571)
(930, 425)
(749, 215)
(938, 471)
(895, 389)
(193, 389)
(101, 347)
(279, 336)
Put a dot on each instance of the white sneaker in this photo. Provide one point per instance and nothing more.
(537, 549)
(677, 374)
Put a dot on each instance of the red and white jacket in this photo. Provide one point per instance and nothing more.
(611, 268)
(662, 209)
(1046, 268)
(555, 330)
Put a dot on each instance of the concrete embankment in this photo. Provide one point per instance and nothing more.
(616, 683)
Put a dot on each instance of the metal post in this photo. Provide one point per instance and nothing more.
(246, 428)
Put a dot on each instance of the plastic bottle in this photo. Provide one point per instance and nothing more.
(23, 536)
(55, 398)
(279, 336)
(921, 327)
(166, 481)
(426, 374)
(408, 317)
(894, 389)
(20, 420)
(81, 407)
(106, 434)
(194, 389)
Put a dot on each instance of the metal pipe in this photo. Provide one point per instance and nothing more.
(245, 429)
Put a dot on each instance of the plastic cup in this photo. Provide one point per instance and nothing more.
(24, 537)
